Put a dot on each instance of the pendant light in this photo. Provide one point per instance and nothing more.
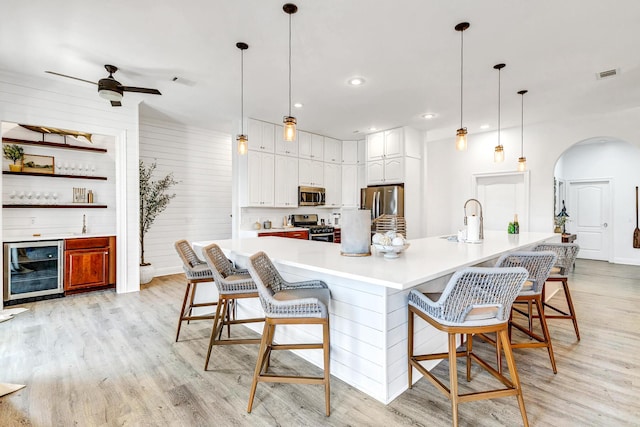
(290, 121)
(498, 155)
(522, 160)
(242, 139)
(461, 134)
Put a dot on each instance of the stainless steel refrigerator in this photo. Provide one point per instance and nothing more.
(387, 199)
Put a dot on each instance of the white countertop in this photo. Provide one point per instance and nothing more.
(426, 259)
(53, 236)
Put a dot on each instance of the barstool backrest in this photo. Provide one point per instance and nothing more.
(538, 264)
(489, 292)
(566, 252)
(187, 255)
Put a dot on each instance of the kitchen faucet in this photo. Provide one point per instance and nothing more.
(481, 219)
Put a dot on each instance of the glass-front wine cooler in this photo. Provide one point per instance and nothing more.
(32, 271)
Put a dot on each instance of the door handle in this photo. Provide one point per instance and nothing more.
(605, 225)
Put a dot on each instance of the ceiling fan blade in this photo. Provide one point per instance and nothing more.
(141, 90)
(116, 104)
(70, 77)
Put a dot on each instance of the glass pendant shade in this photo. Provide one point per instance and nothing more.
(461, 139)
(289, 129)
(522, 164)
(242, 144)
(498, 154)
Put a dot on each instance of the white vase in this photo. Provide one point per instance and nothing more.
(147, 273)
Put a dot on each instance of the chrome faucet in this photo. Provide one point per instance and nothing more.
(481, 219)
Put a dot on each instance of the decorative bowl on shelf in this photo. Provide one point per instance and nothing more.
(391, 251)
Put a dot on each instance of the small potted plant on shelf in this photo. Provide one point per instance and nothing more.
(154, 199)
(13, 152)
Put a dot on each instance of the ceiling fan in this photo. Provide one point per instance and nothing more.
(111, 89)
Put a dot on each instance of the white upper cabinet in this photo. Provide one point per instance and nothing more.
(310, 173)
(397, 142)
(393, 143)
(285, 148)
(362, 151)
(317, 147)
(349, 152)
(375, 146)
(286, 182)
(261, 136)
(333, 185)
(350, 186)
(332, 150)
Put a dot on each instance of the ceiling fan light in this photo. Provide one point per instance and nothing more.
(522, 164)
(110, 95)
(242, 144)
(498, 154)
(461, 139)
(289, 128)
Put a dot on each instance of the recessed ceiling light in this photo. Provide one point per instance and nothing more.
(356, 81)
(298, 105)
(483, 127)
(428, 116)
(372, 128)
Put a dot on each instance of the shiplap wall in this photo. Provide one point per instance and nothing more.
(46, 101)
(201, 160)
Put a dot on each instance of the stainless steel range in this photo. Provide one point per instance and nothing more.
(321, 232)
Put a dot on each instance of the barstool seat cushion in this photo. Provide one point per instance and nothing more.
(233, 277)
(321, 294)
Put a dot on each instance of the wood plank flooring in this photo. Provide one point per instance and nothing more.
(101, 359)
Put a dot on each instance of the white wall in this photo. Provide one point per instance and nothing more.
(617, 160)
(449, 172)
(201, 160)
(47, 102)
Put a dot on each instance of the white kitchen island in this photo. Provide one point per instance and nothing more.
(368, 312)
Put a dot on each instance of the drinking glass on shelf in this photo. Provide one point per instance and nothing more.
(72, 167)
(54, 196)
(46, 198)
(13, 194)
(86, 169)
(93, 170)
(60, 168)
(67, 171)
(21, 195)
(37, 197)
(30, 197)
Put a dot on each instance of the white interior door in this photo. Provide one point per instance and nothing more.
(589, 209)
(502, 196)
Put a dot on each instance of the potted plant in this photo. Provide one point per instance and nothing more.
(13, 152)
(154, 199)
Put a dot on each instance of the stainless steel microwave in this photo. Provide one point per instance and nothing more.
(311, 196)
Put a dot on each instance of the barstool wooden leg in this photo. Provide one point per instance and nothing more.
(572, 311)
(410, 347)
(193, 295)
(453, 377)
(184, 305)
(327, 373)
(217, 324)
(545, 332)
(259, 363)
(515, 379)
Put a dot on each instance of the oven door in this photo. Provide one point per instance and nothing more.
(322, 237)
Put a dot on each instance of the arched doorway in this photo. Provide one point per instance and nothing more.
(597, 178)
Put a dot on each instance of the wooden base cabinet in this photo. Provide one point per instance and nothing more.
(89, 263)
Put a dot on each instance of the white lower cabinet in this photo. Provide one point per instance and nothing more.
(333, 185)
(286, 182)
(310, 173)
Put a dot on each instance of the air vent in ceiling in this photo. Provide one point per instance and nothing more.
(607, 74)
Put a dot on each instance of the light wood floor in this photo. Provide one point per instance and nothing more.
(105, 359)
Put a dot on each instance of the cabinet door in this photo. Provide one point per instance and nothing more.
(283, 147)
(260, 178)
(375, 172)
(332, 182)
(394, 170)
(375, 146)
(332, 150)
(349, 152)
(350, 188)
(393, 143)
(304, 172)
(317, 174)
(86, 268)
(286, 181)
(261, 136)
(362, 152)
(267, 171)
(304, 144)
(317, 147)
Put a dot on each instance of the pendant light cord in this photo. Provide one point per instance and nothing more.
(522, 126)
(499, 73)
(461, 72)
(289, 65)
(242, 91)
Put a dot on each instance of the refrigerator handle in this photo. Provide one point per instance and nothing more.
(377, 204)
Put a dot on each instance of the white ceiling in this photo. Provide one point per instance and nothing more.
(407, 50)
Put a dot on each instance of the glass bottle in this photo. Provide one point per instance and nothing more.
(516, 225)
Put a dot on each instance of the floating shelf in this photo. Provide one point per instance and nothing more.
(70, 206)
(54, 145)
(54, 175)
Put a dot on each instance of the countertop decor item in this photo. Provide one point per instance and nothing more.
(391, 251)
(14, 153)
(356, 232)
(154, 199)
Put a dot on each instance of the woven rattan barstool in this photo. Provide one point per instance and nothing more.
(233, 284)
(476, 300)
(567, 253)
(196, 271)
(286, 303)
(539, 265)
